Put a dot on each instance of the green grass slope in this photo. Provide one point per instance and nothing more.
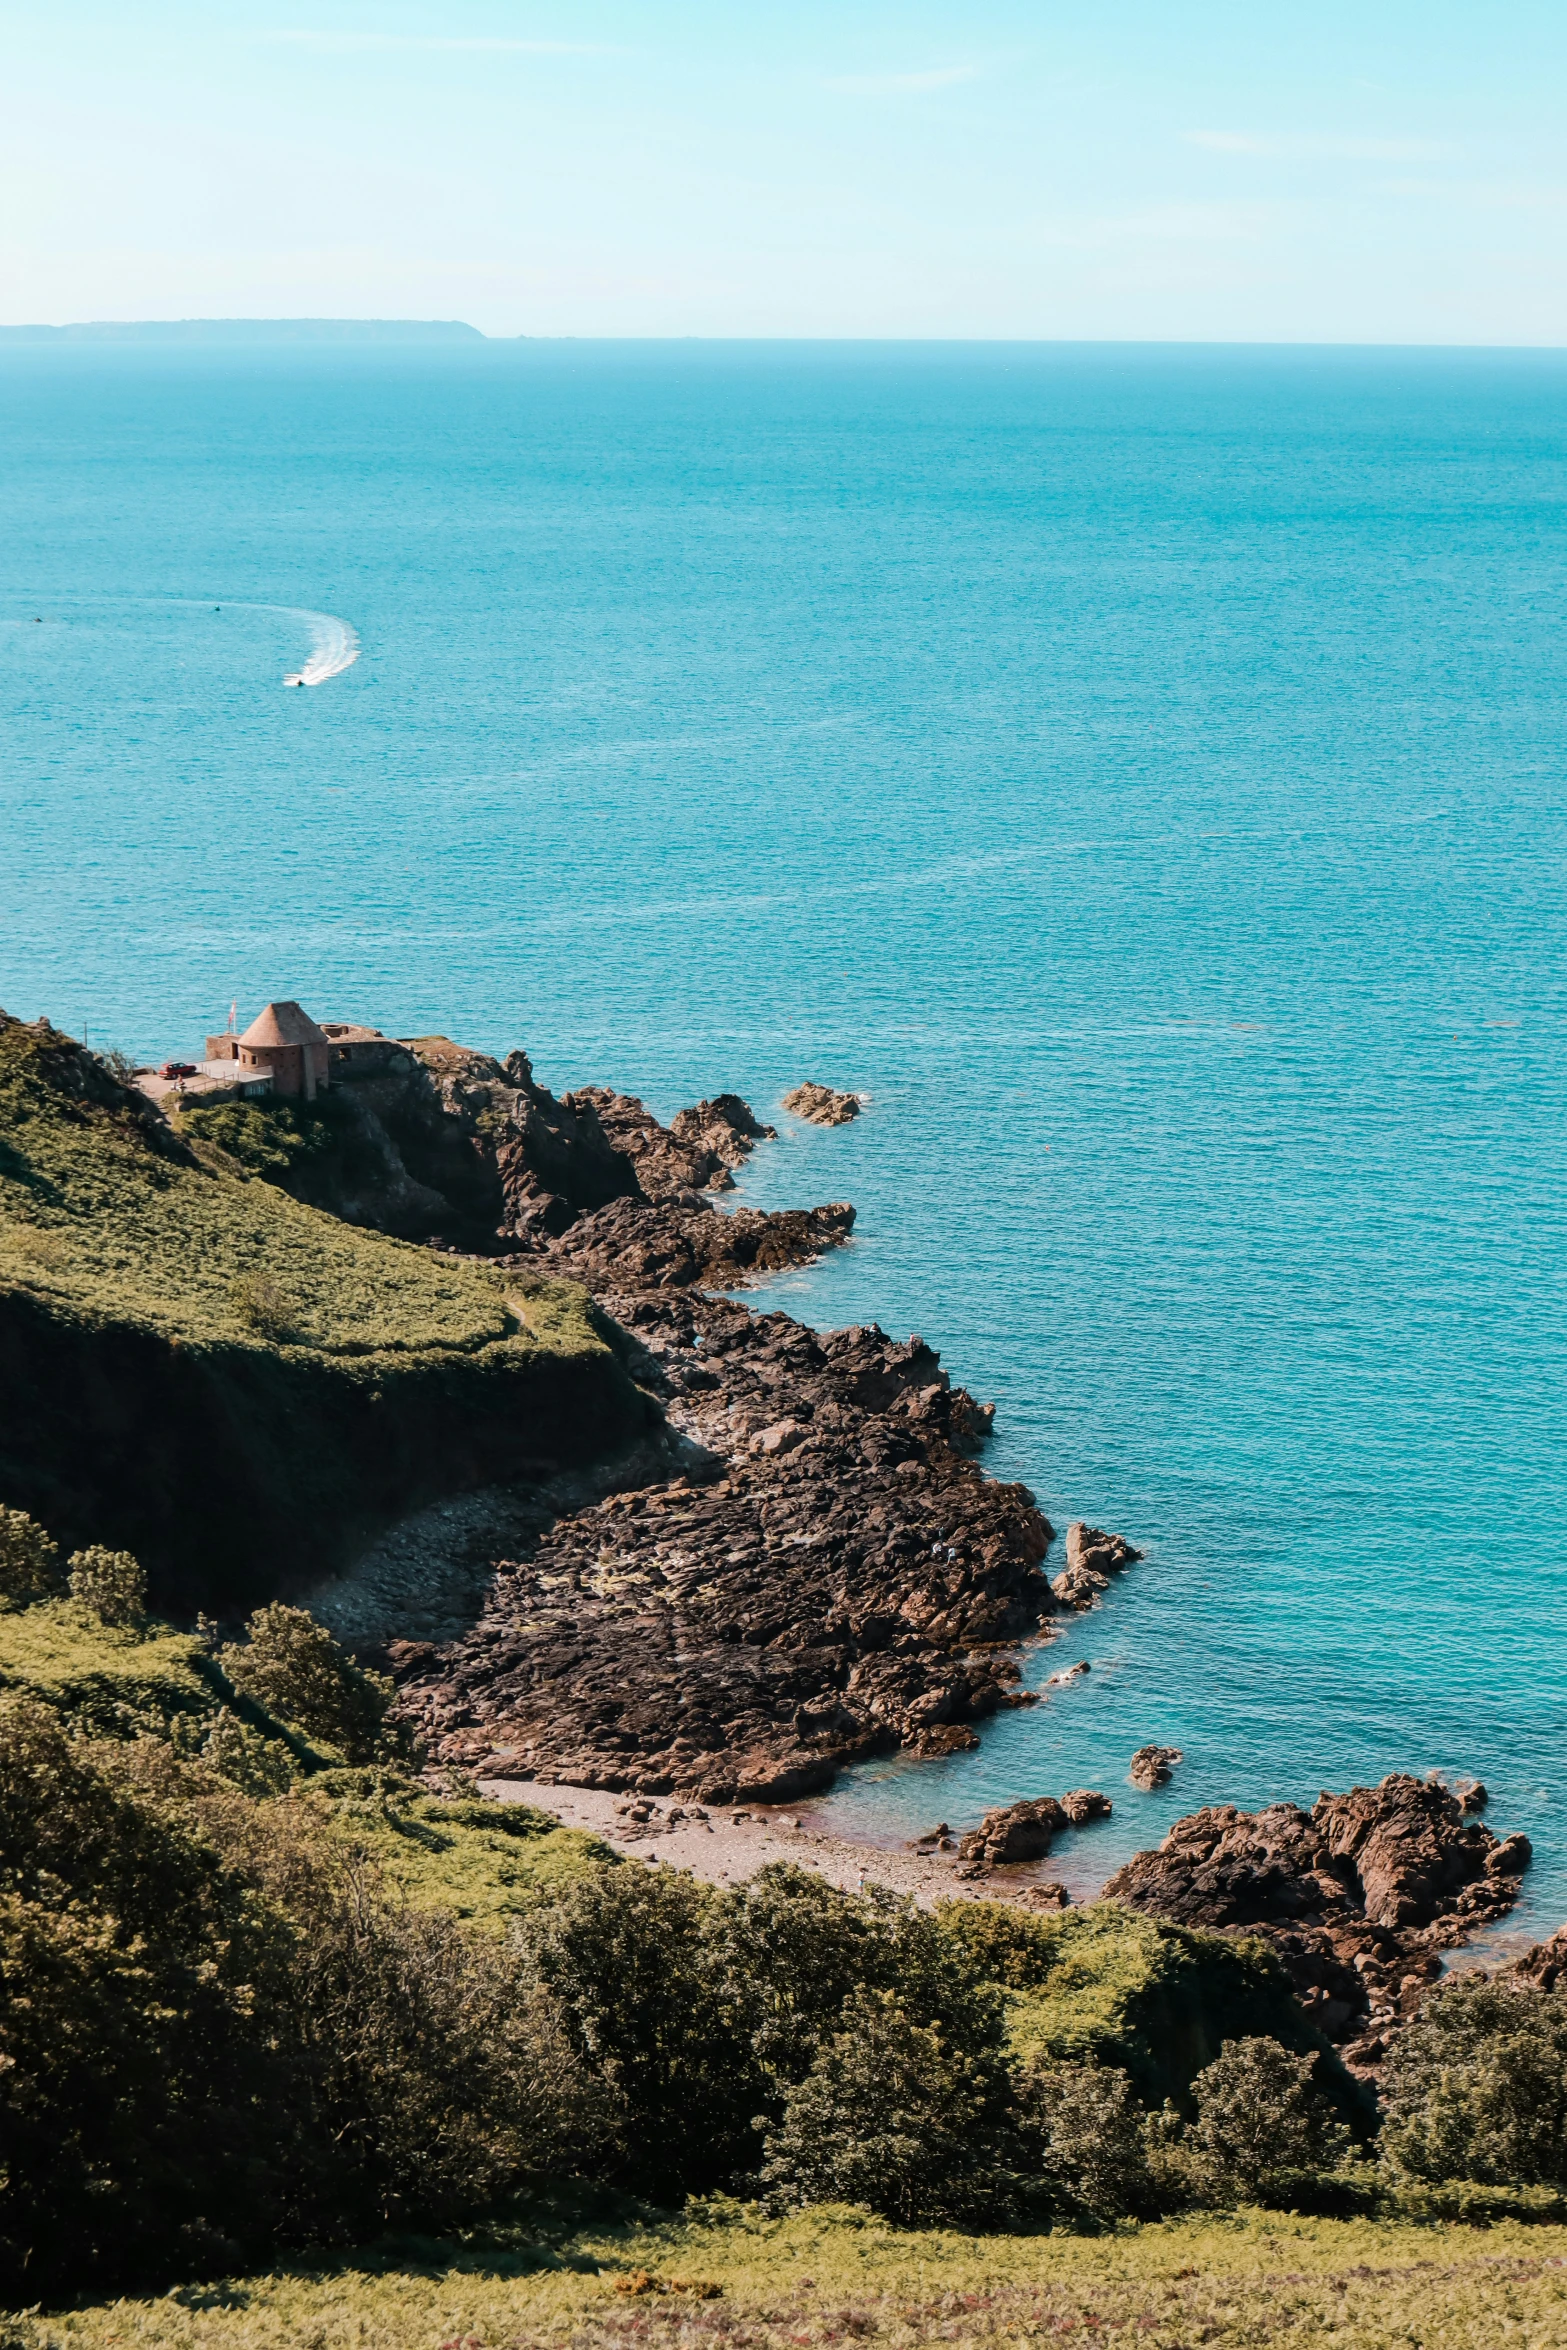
(834, 2276)
(241, 1389)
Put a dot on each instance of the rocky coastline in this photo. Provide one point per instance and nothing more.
(825, 1573)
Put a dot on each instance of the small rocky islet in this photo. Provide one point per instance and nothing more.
(825, 1572)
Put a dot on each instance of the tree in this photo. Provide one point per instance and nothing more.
(111, 1583)
(893, 2116)
(1259, 2123)
(626, 1956)
(29, 1561)
(296, 1669)
(1087, 2135)
(1476, 2088)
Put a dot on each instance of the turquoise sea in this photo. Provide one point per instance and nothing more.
(1141, 771)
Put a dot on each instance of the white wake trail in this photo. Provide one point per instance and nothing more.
(334, 647)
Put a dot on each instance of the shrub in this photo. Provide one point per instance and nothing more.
(893, 2116)
(1087, 2138)
(791, 1950)
(296, 1669)
(1476, 2088)
(1260, 2127)
(441, 2070)
(261, 1306)
(695, 2002)
(267, 1139)
(261, 1766)
(29, 1561)
(109, 1582)
(217, 2033)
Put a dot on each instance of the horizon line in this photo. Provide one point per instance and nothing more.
(460, 331)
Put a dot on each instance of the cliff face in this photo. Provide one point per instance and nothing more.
(240, 1389)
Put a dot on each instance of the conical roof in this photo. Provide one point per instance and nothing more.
(285, 1023)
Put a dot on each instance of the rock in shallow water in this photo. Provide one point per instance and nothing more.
(1151, 1767)
(820, 1106)
(1092, 1557)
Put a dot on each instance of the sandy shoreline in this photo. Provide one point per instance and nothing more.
(733, 1842)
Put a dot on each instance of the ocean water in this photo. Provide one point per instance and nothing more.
(1140, 771)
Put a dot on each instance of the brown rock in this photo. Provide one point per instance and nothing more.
(851, 1590)
(1151, 1766)
(1356, 1895)
(1092, 1557)
(1050, 1895)
(821, 1106)
(1082, 1804)
(1544, 1966)
(1020, 1831)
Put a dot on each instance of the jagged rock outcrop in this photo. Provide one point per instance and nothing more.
(834, 1578)
(682, 1242)
(820, 1106)
(1357, 1895)
(1092, 1557)
(431, 1140)
(1018, 1831)
(694, 1152)
(1151, 1767)
(1025, 1831)
(1082, 1804)
(1543, 1967)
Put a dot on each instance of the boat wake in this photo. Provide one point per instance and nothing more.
(334, 647)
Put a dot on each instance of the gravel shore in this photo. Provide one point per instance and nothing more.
(731, 1844)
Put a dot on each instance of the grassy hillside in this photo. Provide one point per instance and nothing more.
(832, 2276)
(239, 1388)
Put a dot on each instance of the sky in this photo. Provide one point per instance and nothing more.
(1392, 171)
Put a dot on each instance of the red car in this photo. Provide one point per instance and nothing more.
(179, 1069)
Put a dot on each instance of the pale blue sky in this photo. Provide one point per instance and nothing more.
(1380, 172)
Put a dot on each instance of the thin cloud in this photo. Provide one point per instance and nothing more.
(1310, 149)
(889, 85)
(349, 41)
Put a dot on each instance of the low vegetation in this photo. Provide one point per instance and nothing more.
(239, 1389)
(740, 2281)
(265, 1993)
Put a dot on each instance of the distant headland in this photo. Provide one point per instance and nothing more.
(250, 330)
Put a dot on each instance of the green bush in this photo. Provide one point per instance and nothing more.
(441, 2072)
(144, 2092)
(693, 2001)
(892, 2115)
(260, 1306)
(218, 2033)
(628, 1958)
(296, 1669)
(269, 1139)
(29, 1561)
(1261, 2128)
(111, 1583)
(1476, 2088)
(1087, 2139)
(261, 1766)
